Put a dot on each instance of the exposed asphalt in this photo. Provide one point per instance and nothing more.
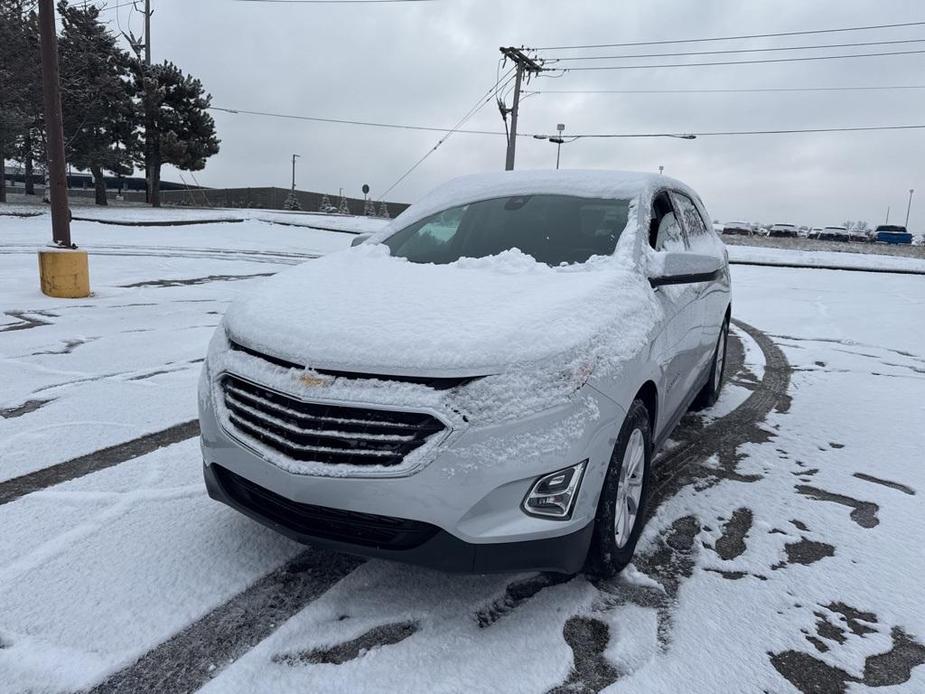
(159, 223)
(10, 490)
(848, 268)
(671, 560)
(189, 659)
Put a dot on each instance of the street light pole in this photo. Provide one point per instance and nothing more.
(294, 157)
(909, 208)
(561, 128)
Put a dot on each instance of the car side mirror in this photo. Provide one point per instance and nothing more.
(359, 239)
(684, 268)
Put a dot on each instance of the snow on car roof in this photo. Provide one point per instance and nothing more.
(586, 184)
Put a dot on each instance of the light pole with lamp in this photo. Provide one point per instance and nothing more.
(909, 208)
(558, 141)
(294, 157)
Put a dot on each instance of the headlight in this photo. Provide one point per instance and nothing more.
(553, 495)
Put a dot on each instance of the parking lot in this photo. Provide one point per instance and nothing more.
(782, 555)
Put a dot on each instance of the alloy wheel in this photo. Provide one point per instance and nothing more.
(629, 489)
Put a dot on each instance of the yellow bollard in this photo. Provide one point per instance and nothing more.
(64, 273)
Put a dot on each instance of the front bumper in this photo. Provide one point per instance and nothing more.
(429, 546)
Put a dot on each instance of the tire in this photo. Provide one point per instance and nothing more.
(709, 394)
(608, 555)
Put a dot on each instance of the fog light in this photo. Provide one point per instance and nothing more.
(553, 495)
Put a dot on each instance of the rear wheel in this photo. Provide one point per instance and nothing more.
(622, 506)
(709, 394)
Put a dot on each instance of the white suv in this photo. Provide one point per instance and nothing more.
(481, 386)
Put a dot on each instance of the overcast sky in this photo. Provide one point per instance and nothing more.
(426, 63)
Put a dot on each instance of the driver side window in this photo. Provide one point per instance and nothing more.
(665, 233)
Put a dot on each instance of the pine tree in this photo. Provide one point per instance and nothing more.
(326, 205)
(342, 206)
(291, 202)
(384, 210)
(17, 79)
(176, 110)
(100, 118)
(369, 208)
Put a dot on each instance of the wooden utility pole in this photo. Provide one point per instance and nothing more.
(148, 33)
(54, 126)
(63, 269)
(152, 196)
(524, 64)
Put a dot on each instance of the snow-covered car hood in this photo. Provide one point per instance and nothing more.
(364, 311)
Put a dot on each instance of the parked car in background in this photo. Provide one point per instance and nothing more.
(893, 234)
(482, 385)
(833, 233)
(739, 228)
(859, 236)
(783, 231)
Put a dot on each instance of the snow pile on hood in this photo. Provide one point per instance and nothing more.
(362, 310)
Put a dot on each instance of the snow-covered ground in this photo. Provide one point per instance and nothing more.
(870, 260)
(787, 557)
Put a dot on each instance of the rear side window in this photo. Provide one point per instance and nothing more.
(690, 216)
(666, 233)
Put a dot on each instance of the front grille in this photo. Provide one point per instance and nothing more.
(364, 529)
(334, 434)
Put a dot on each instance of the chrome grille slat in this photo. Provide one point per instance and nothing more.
(301, 415)
(317, 432)
(233, 404)
(302, 447)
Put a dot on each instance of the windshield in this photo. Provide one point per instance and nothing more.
(554, 229)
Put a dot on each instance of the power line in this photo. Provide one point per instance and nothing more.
(331, 2)
(737, 50)
(732, 38)
(680, 135)
(106, 8)
(341, 121)
(723, 133)
(480, 104)
(730, 91)
(744, 62)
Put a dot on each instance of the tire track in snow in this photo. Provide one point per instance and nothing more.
(10, 490)
(185, 662)
(672, 557)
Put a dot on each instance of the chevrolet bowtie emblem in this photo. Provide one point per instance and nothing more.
(311, 380)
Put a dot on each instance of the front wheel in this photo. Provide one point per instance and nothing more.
(709, 394)
(622, 506)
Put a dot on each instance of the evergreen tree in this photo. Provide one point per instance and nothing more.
(326, 205)
(369, 208)
(182, 132)
(291, 202)
(384, 210)
(100, 117)
(342, 206)
(17, 79)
